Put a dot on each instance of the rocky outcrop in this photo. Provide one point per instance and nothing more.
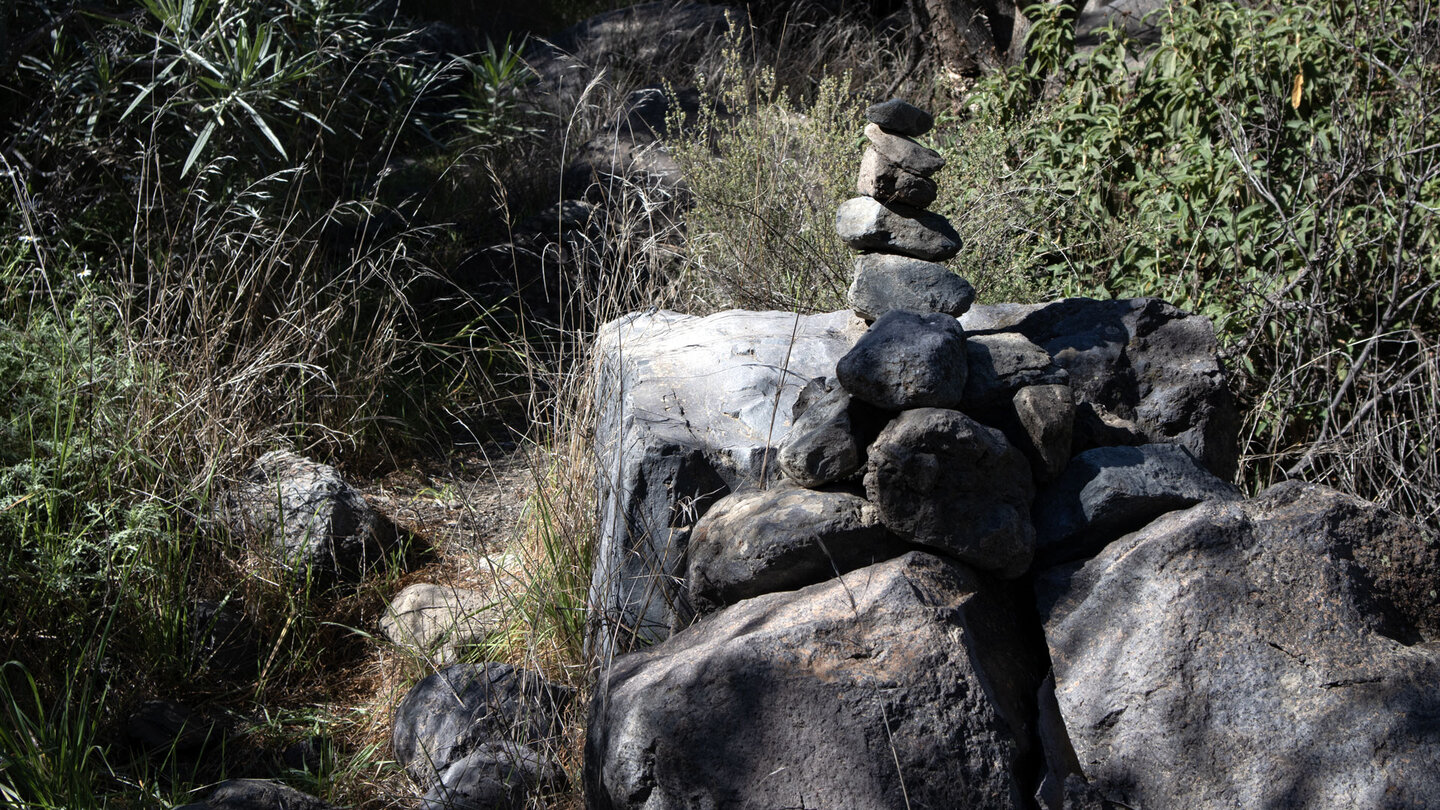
(810, 699)
(1142, 371)
(1276, 652)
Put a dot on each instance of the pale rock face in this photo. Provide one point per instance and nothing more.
(690, 410)
(438, 622)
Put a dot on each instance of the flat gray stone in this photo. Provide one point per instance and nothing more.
(884, 282)
(779, 540)
(900, 116)
(1108, 491)
(1003, 363)
(904, 152)
(867, 224)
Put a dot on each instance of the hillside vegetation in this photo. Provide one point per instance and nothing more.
(227, 228)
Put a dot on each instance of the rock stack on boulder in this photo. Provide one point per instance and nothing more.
(1002, 565)
(900, 243)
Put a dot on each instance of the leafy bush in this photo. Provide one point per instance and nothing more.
(1273, 168)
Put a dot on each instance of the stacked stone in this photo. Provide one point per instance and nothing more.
(901, 244)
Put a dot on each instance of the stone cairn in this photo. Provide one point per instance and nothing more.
(900, 243)
(898, 395)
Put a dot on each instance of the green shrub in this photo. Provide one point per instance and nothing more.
(765, 185)
(1272, 168)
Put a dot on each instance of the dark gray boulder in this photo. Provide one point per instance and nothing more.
(901, 117)
(903, 684)
(455, 711)
(884, 282)
(907, 360)
(222, 638)
(690, 410)
(904, 152)
(941, 479)
(1000, 364)
(828, 440)
(257, 794)
(1108, 491)
(1046, 418)
(865, 223)
(495, 776)
(778, 540)
(170, 734)
(1275, 652)
(888, 182)
(1142, 371)
(308, 518)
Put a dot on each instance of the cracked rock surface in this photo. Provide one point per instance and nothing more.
(1275, 652)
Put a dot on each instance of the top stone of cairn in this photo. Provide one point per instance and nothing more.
(900, 117)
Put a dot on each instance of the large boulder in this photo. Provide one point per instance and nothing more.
(1142, 371)
(941, 479)
(690, 410)
(455, 711)
(778, 540)
(1276, 652)
(1108, 491)
(304, 515)
(902, 684)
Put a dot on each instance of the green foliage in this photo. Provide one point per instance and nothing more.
(1273, 168)
(48, 754)
(765, 186)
